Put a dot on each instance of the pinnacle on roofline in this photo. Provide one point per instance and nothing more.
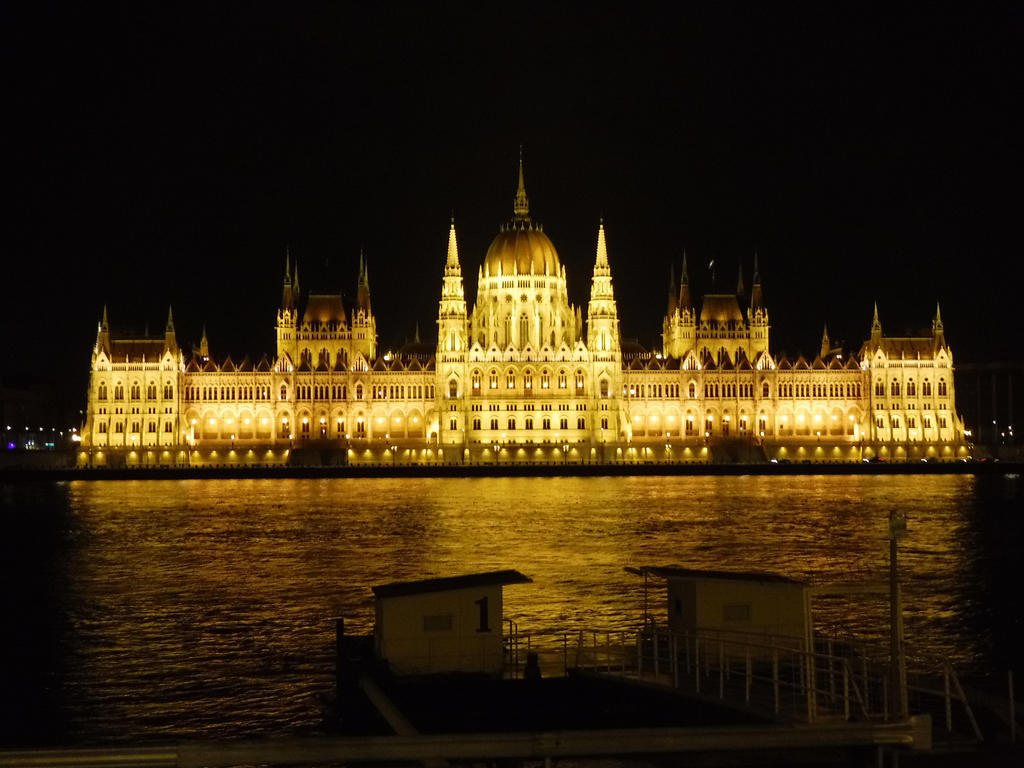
(521, 207)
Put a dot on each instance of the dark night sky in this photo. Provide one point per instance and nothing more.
(167, 156)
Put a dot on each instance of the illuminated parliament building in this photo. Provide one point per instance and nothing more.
(521, 376)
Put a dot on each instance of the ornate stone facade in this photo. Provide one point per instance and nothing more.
(519, 378)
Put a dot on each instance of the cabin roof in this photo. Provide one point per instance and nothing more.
(678, 572)
(488, 579)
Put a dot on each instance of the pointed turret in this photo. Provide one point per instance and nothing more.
(451, 314)
(685, 300)
(521, 206)
(938, 331)
(876, 326)
(453, 251)
(204, 346)
(756, 295)
(826, 344)
(287, 290)
(602, 312)
(363, 294)
(170, 339)
(103, 334)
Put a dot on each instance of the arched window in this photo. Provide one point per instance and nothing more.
(524, 330)
(136, 390)
(562, 380)
(453, 387)
(510, 380)
(101, 394)
(691, 390)
(151, 391)
(493, 380)
(545, 380)
(942, 387)
(765, 390)
(475, 379)
(894, 389)
(528, 380)
(926, 388)
(284, 392)
(604, 387)
(879, 389)
(911, 388)
(579, 382)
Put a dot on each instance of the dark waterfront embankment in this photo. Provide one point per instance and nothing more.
(511, 470)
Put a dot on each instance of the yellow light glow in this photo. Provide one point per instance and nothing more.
(323, 420)
(213, 421)
(800, 417)
(305, 420)
(231, 421)
(193, 421)
(380, 419)
(246, 421)
(415, 420)
(263, 421)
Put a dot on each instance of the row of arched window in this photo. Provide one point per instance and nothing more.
(561, 380)
(226, 393)
(895, 388)
(135, 391)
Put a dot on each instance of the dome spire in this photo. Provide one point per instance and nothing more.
(521, 207)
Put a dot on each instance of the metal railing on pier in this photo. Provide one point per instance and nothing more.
(775, 676)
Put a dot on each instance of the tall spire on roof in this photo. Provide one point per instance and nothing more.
(602, 312)
(287, 288)
(204, 346)
(170, 339)
(363, 292)
(685, 300)
(602, 249)
(876, 326)
(453, 249)
(103, 334)
(826, 344)
(756, 295)
(938, 332)
(521, 207)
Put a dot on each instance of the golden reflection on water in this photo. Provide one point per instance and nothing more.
(207, 606)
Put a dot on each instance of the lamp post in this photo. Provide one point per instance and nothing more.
(565, 454)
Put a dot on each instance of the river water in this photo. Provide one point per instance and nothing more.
(164, 610)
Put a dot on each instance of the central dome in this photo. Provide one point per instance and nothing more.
(521, 248)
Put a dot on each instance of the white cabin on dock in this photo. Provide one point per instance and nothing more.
(735, 603)
(443, 625)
